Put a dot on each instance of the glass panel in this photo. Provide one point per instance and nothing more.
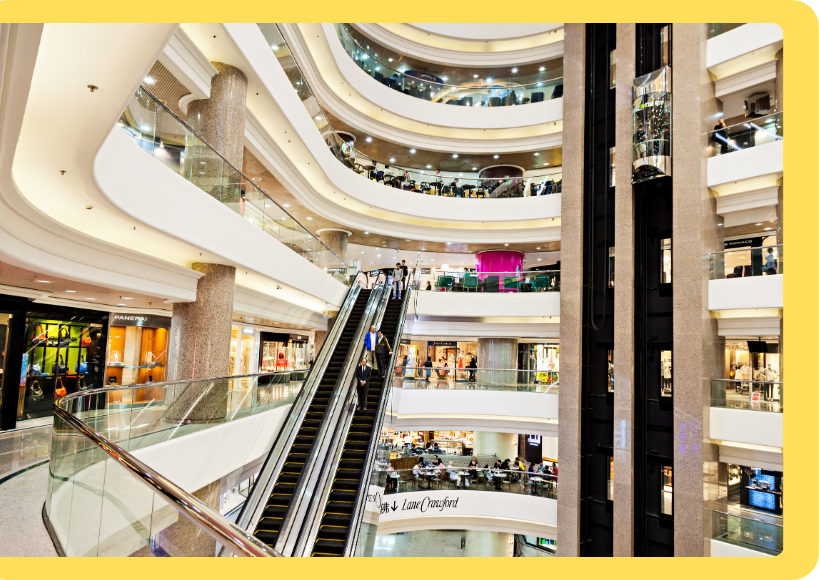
(744, 262)
(767, 396)
(461, 281)
(126, 513)
(473, 378)
(86, 504)
(612, 159)
(667, 491)
(717, 29)
(448, 476)
(611, 371)
(611, 267)
(666, 377)
(756, 130)
(612, 68)
(747, 533)
(610, 478)
(665, 266)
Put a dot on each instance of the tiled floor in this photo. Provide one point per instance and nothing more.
(447, 543)
(23, 492)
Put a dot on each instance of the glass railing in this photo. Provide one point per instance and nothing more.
(471, 90)
(741, 263)
(534, 281)
(715, 29)
(754, 132)
(465, 378)
(103, 501)
(746, 533)
(421, 181)
(174, 144)
(533, 547)
(750, 395)
(480, 479)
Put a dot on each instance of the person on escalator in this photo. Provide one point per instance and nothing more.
(382, 348)
(362, 383)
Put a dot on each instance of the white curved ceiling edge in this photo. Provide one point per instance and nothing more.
(415, 122)
(483, 31)
(31, 239)
(408, 40)
(102, 166)
(280, 131)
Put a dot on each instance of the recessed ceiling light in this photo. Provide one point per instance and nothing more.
(454, 155)
(362, 252)
(318, 118)
(379, 255)
(392, 159)
(759, 224)
(538, 248)
(274, 47)
(369, 139)
(496, 156)
(429, 166)
(366, 233)
(145, 128)
(120, 304)
(125, 298)
(412, 150)
(536, 154)
(766, 229)
(719, 224)
(474, 169)
(538, 259)
(543, 68)
(72, 291)
(309, 218)
(148, 80)
(474, 76)
(286, 205)
(90, 298)
(489, 80)
(389, 60)
(44, 281)
(460, 175)
(505, 244)
(514, 70)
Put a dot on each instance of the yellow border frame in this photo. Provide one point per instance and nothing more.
(799, 23)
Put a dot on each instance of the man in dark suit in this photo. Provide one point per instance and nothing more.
(382, 349)
(362, 383)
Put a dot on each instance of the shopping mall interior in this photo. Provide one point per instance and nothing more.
(349, 290)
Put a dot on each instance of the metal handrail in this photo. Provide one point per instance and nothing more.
(231, 536)
(255, 503)
(369, 458)
(285, 542)
(745, 518)
(239, 171)
(732, 250)
(746, 381)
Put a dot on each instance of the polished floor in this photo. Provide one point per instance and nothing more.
(447, 543)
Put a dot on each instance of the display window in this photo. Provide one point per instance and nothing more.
(665, 266)
(543, 358)
(278, 351)
(610, 478)
(137, 354)
(667, 491)
(610, 373)
(753, 361)
(666, 376)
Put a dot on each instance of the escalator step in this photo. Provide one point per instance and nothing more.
(267, 536)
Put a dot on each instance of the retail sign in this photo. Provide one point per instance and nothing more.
(744, 243)
(149, 320)
(442, 343)
(533, 439)
(414, 506)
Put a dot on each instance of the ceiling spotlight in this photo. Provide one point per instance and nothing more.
(309, 218)
(474, 169)
(505, 244)
(148, 80)
(766, 229)
(454, 155)
(489, 80)
(496, 156)
(538, 259)
(460, 175)
(389, 60)
(90, 298)
(392, 159)
(412, 150)
(541, 69)
(120, 304)
(537, 154)
(274, 47)
(369, 139)
(71, 291)
(444, 78)
(318, 118)
(379, 255)
(429, 166)
(538, 248)
(362, 252)
(474, 76)
(759, 224)
(286, 205)
(514, 70)
(719, 224)
(125, 298)
(366, 233)
(44, 281)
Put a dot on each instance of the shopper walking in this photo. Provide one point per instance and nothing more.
(369, 346)
(382, 348)
(397, 277)
(362, 383)
(428, 368)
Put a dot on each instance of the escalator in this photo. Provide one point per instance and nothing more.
(301, 449)
(337, 525)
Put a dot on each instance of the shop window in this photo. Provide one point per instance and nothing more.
(611, 372)
(665, 266)
(667, 491)
(612, 68)
(612, 159)
(610, 478)
(611, 267)
(666, 376)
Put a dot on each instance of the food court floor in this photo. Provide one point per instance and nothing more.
(447, 543)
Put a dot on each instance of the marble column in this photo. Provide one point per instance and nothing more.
(321, 335)
(497, 353)
(571, 280)
(780, 204)
(336, 240)
(200, 346)
(698, 352)
(624, 297)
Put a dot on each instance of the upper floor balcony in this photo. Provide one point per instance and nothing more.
(746, 278)
(748, 411)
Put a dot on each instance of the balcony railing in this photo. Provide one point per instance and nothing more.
(480, 479)
(429, 181)
(173, 143)
(754, 132)
(767, 396)
(746, 533)
(742, 263)
(498, 282)
(715, 29)
(477, 379)
(467, 91)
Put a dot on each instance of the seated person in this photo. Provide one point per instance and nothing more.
(418, 471)
(473, 467)
(505, 464)
(453, 475)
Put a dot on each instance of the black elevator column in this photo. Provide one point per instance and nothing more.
(653, 335)
(597, 403)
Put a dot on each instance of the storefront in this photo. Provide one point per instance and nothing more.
(541, 357)
(755, 488)
(137, 349)
(752, 360)
(745, 256)
(282, 351)
(48, 351)
(455, 354)
(458, 443)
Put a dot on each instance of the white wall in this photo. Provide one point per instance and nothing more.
(726, 550)
(746, 292)
(486, 31)
(742, 47)
(745, 426)
(502, 445)
(488, 304)
(750, 166)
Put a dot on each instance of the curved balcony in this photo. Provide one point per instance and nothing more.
(468, 89)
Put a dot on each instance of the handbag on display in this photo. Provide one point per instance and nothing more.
(59, 368)
(35, 369)
(85, 336)
(38, 337)
(36, 390)
(82, 366)
(59, 388)
(81, 383)
(64, 339)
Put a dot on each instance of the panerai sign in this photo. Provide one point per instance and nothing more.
(148, 320)
(420, 505)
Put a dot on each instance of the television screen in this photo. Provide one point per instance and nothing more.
(757, 346)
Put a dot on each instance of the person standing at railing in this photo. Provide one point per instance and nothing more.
(428, 368)
(473, 365)
(770, 262)
(382, 347)
(721, 136)
(397, 278)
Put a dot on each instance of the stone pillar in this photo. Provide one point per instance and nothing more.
(780, 204)
(780, 80)
(336, 240)
(497, 353)
(321, 335)
(698, 353)
(624, 298)
(571, 280)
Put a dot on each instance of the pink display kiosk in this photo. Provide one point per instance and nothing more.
(499, 264)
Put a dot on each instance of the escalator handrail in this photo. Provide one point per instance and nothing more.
(369, 458)
(232, 537)
(294, 517)
(257, 499)
(315, 512)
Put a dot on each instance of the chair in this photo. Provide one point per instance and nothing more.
(537, 97)
(470, 283)
(558, 92)
(542, 283)
(510, 283)
(378, 76)
(494, 102)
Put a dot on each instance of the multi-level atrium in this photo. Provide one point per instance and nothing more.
(204, 229)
